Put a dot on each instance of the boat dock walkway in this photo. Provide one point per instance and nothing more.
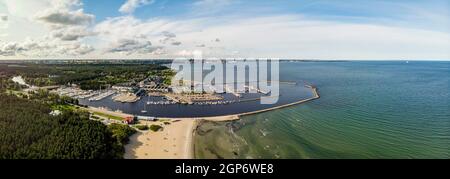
(315, 96)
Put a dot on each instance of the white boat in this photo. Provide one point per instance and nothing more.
(145, 109)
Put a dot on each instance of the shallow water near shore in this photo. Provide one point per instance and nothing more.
(366, 110)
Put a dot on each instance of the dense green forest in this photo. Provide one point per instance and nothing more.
(28, 131)
(88, 76)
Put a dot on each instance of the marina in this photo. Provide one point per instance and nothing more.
(173, 106)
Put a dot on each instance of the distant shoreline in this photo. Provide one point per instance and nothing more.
(13, 61)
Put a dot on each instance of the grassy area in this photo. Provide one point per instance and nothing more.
(142, 127)
(95, 117)
(164, 120)
(108, 116)
(64, 107)
(155, 128)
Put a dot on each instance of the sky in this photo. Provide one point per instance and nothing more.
(285, 29)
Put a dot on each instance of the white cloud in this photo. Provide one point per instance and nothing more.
(133, 46)
(3, 18)
(8, 49)
(3, 23)
(65, 17)
(296, 37)
(28, 9)
(64, 13)
(114, 30)
(286, 36)
(131, 5)
(43, 48)
(168, 34)
(19, 14)
(24, 8)
(66, 25)
(75, 49)
(169, 37)
(188, 53)
(176, 43)
(71, 33)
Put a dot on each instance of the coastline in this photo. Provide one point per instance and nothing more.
(173, 142)
(176, 141)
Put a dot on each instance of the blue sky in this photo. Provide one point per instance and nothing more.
(373, 11)
(304, 29)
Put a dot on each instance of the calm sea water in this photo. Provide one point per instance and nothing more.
(366, 110)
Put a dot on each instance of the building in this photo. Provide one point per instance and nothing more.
(129, 120)
(56, 113)
(145, 118)
(122, 88)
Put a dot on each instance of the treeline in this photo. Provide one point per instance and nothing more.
(165, 75)
(7, 83)
(28, 131)
(88, 76)
(49, 98)
(94, 77)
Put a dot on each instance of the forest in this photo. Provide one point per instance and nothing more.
(87, 76)
(29, 131)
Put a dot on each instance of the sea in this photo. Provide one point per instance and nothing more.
(367, 109)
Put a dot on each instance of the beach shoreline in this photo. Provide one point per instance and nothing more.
(148, 145)
(173, 142)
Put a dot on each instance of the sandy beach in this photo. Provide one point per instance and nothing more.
(173, 142)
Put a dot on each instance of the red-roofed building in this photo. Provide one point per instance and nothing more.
(128, 120)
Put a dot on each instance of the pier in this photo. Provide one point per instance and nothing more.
(102, 96)
(314, 91)
(315, 96)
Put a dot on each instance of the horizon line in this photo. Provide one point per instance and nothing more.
(156, 59)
